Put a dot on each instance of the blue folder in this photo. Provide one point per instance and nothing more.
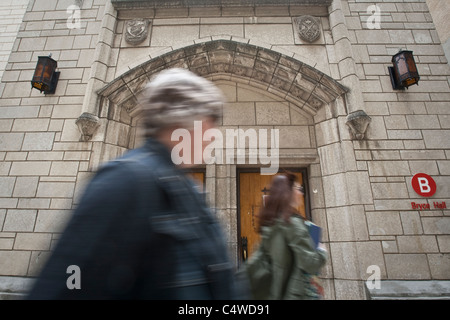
(315, 231)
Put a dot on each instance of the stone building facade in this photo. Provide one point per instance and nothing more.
(309, 68)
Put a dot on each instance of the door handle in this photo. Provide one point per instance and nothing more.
(244, 246)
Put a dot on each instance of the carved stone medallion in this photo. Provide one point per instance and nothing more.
(136, 30)
(308, 28)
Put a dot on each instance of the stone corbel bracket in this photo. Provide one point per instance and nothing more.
(358, 121)
(87, 124)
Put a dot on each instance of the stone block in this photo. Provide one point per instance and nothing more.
(439, 265)
(239, 114)
(404, 134)
(272, 113)
(30, 168)
(11, 141)
(59, 43)
(294, 137)
(385, 155)
(30, 125)
(423, 122)
(6, 186)
(14, 263)
(401, 36)
(351, 259)
(347, 223)
(32, 44)
(333, 190)
(55, 189)
(220, 29)
(389, 190)
(70, 131)
(33, 203)
(173, 35)
(327, 132)
(384, 223)
(372, 36)
(64, 168)
(370, 253)
(358, 188)
(421, 154)
(444, 167)
(376, 130)
(331, 159)
(411, 222)
(422, 36)
(33, 241)
(417, 244)
(437, 139)
(389, 246)
(349, 290)
(37, 262)
(275, 34)
(38, 141)
(429, 167)
(344, 258)
(52, 220)
(414, 107)
(20, 220)
(117, 133)
(436, 225)
(228, 90)
(407, 266)
(388, 168)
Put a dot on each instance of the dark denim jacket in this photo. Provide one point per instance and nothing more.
(141, 231)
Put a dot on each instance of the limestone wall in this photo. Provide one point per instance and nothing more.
(360, 191)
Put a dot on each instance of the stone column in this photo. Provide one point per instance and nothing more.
(88, 122)
(346, 192)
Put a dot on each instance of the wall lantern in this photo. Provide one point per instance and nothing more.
(404, 71)
(45, 77)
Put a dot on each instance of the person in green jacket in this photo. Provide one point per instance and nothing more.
(286, 263)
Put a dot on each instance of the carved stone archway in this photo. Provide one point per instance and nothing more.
(244, 64)
(284, 76)
(292, 80)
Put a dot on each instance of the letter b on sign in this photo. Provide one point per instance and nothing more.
(423, 185)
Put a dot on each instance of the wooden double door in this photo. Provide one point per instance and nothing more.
(252, 189)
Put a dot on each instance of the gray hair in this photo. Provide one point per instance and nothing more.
(178, 97)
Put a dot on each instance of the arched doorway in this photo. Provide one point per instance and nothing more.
(265, 89)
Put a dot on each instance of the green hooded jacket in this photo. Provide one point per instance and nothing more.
(282, 266)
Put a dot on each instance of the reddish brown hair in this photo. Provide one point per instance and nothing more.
(278, 203)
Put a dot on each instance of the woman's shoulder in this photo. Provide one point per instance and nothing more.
(296, 226)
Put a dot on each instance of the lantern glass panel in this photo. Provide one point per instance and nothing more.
(47, 73)
(402, 66)
(411, 64)
(44, 74)
(406, 71)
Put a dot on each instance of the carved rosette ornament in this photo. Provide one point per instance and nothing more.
(136, 30)
(308, 28)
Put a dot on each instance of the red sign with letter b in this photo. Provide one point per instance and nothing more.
(423, 185)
